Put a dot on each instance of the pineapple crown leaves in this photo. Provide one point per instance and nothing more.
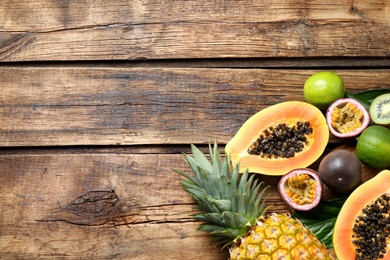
(229, 203)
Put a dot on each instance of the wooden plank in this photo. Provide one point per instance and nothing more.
(49, 106)
(107, 204)
(100, 206)
(148, 29)
(57, 240)
(89, 106)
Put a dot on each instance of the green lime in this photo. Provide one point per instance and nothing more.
(373, 147)
(323, 88)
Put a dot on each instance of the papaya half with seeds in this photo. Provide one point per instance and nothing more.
(280, 138)
(362, 228)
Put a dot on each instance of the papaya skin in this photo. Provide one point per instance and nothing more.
(289, 112)
(357, 200)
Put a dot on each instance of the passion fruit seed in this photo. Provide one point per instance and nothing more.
(372, 228)
(347, 118)
(301, 188)
(282, 140)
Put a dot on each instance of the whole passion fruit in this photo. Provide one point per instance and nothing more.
(347, 117)
(341, 171)
(301, 189)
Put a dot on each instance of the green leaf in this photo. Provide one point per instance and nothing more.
(321, 219)
(222, 205)
(201, 160)
(366, 97)
(210, 218)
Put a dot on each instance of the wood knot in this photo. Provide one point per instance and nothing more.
(96, 208)
(93, 203)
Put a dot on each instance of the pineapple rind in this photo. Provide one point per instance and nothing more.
(296, 242)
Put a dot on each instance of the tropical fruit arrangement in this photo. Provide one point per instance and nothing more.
(285, 140)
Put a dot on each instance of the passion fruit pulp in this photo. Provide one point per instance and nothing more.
(301, 189)
(341, 171)
(347, 117)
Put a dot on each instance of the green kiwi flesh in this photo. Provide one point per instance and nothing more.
(380, 110)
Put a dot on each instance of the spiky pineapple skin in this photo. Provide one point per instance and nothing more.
(278, 236)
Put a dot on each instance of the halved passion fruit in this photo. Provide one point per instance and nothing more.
(280, 138)
(347, 117)
(301, 189)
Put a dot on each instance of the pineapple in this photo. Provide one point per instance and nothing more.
(232, 208)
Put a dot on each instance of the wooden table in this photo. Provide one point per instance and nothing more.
(99, 98)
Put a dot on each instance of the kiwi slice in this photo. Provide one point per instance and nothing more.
(380, 110)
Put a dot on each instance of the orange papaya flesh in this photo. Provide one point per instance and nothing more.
(347, 229)
(289, 113)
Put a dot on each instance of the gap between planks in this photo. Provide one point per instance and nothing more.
(316, 63)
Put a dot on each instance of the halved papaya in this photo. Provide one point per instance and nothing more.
(362, 227)
(280, 138)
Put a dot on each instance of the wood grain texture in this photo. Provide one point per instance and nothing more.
(147, 29)
(49, 106)
(73, 205)
(99, 98)
(105, 204)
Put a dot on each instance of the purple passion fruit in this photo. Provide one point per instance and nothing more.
(301, 189)
(347, 117)
(341, 171)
